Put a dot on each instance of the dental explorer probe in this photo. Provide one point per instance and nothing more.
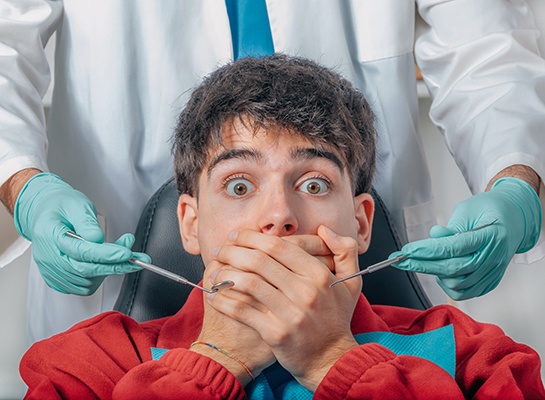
(386, 263)
(170, 275)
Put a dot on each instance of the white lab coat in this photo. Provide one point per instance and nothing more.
(124, 70)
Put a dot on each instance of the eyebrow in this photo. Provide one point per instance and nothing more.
(297, 154)
(309, 153)
(243, 154)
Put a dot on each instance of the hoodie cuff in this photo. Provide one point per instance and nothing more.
(214, 376)
(349, 369)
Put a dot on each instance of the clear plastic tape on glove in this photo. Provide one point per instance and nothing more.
(46, 208)
(471, 264)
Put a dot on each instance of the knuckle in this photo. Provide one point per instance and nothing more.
(457, 295)
(310, 298)
(299, 320)
(245, 282)
(278, 337)
(451, 269)
(274, 244)
(297, 241)
(260, 259)
(251, 283)
(351, 244)
(328, 261)
(281, 274)
(238, 311)
(449, 284)
(322, 278)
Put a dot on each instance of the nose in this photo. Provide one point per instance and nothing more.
(278, 214)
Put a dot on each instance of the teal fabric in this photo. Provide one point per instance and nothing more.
(250, 28)
(437, 346)
(157, 353)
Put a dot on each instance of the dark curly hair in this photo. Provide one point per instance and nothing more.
(296, 94)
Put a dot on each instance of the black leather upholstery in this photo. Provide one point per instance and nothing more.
(145, 295)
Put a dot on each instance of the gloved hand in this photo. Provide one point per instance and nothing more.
(45, 210)
(471, 264)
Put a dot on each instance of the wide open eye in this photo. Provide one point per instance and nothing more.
(239, 187)
(314, 186)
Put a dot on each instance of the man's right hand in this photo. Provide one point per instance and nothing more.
(46, 208)
(230, 335)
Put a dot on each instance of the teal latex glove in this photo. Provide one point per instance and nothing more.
(471, 264)
(46, 208)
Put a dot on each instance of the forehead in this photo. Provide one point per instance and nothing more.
(254, 143)
(243, 132)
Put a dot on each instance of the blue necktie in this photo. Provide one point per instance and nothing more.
(250, 28)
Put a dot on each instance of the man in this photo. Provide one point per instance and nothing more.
(274, 158)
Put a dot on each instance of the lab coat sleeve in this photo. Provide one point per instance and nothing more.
(481, 64)
(489, 365)
(109, 356)
(25, 28)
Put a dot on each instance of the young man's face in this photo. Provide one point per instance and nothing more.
(274, 183)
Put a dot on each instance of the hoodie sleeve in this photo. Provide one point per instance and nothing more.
(489, 365)
(109, 356)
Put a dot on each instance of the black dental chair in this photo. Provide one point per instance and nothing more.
(145, 295)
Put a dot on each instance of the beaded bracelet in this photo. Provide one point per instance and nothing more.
(231, 356)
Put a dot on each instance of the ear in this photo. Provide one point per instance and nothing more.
(364, 209)
(188, 217)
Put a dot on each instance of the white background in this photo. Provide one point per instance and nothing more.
(516, 305)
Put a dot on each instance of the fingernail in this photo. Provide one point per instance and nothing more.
(213, 275)
(330, 232)
(233, 235)
(215, 251)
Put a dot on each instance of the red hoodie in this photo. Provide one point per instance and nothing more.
(109, 356)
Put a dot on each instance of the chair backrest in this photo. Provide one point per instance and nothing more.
(145, 295)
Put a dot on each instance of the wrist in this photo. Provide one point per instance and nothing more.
(518, 171)
(319, 369)
(229, 361)
(524, 197)
(10, 190)
(33, 192)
